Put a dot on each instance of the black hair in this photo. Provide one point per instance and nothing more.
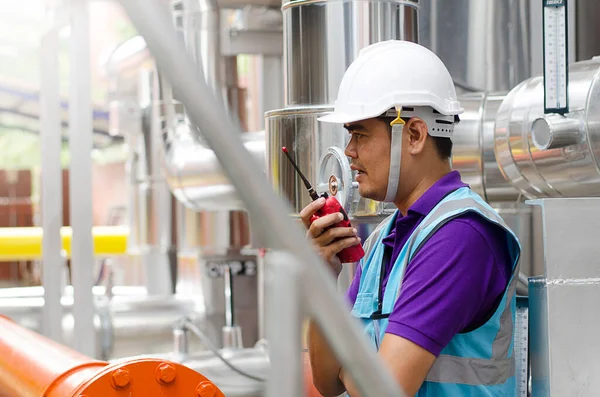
(443, 146)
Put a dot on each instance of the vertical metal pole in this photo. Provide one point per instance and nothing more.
(228, 289)
(284, 326)
(271, 85)
(51, 174)
(80, 145)
(261, 287)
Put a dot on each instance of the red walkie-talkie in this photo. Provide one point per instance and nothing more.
(347, 255)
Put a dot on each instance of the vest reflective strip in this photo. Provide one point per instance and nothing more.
(504, 337)
(461, 370)
(471, 371)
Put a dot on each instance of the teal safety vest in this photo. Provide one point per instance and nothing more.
(475, 363)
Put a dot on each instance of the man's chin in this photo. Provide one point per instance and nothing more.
(362, 191)
(366, 193)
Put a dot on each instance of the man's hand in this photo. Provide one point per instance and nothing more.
(329, 241)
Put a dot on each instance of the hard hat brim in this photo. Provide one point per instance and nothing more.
(340, 118)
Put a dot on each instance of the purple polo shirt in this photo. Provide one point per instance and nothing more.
(456, 280)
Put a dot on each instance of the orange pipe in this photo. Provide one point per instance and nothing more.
(32, 365)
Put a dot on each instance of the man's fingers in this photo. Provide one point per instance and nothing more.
(334, 233)
(319, 225)
(308, 211)
(334, 248)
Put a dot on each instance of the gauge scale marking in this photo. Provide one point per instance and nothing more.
(520, 349)
(556, 73)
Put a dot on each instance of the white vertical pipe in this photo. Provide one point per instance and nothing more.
(271, 87)
(80, 145)
(285, 340)
(51, 197)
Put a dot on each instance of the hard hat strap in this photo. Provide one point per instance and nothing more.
(395, 157)
(438, 125)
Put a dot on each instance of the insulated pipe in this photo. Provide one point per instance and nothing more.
(317, 287)
(544, 155)
(192, 170)
(152, 206)
(32, 365)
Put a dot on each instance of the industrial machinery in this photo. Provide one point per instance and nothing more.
(228, 282)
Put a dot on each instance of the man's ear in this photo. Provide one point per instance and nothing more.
(417, 135)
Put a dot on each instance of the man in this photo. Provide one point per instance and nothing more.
(435, 291)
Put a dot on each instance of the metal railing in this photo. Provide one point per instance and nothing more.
(302, 283)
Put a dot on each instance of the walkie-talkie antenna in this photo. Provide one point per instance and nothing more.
(311, 191)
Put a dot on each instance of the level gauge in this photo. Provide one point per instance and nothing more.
(556, 73)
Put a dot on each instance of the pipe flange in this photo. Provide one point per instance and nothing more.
(335, 176)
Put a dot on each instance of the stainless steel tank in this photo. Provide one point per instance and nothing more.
(485, 44)
(321, 39)
(569, 166)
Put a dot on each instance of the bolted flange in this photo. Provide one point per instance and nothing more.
(165, 373)
(205, 389)
(120, 378)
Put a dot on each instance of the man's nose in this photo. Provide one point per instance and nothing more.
(350, 149)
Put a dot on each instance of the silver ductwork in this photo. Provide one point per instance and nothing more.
(152, 237)
(321, 39)
(195, 175)
(569, 167)
(199, 23)
(193, 172)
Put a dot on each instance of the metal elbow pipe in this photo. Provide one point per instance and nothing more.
(544, 155)
(195, 175)
(32, 365)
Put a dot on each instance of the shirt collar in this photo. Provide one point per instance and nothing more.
(437, 192)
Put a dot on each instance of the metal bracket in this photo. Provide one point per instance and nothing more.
(239, 265)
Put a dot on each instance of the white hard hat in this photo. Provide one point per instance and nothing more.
(397, 78)
(393, 74)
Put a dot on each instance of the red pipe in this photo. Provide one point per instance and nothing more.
(32, 365)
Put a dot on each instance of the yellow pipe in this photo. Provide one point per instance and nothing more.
(25, 243)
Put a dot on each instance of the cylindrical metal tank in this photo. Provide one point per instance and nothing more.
(309, 141)
(587, 29)
(570, 170)
(485, 44)
(321, 39)
(34, 366)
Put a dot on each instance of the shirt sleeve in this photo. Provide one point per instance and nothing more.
(450, 283)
